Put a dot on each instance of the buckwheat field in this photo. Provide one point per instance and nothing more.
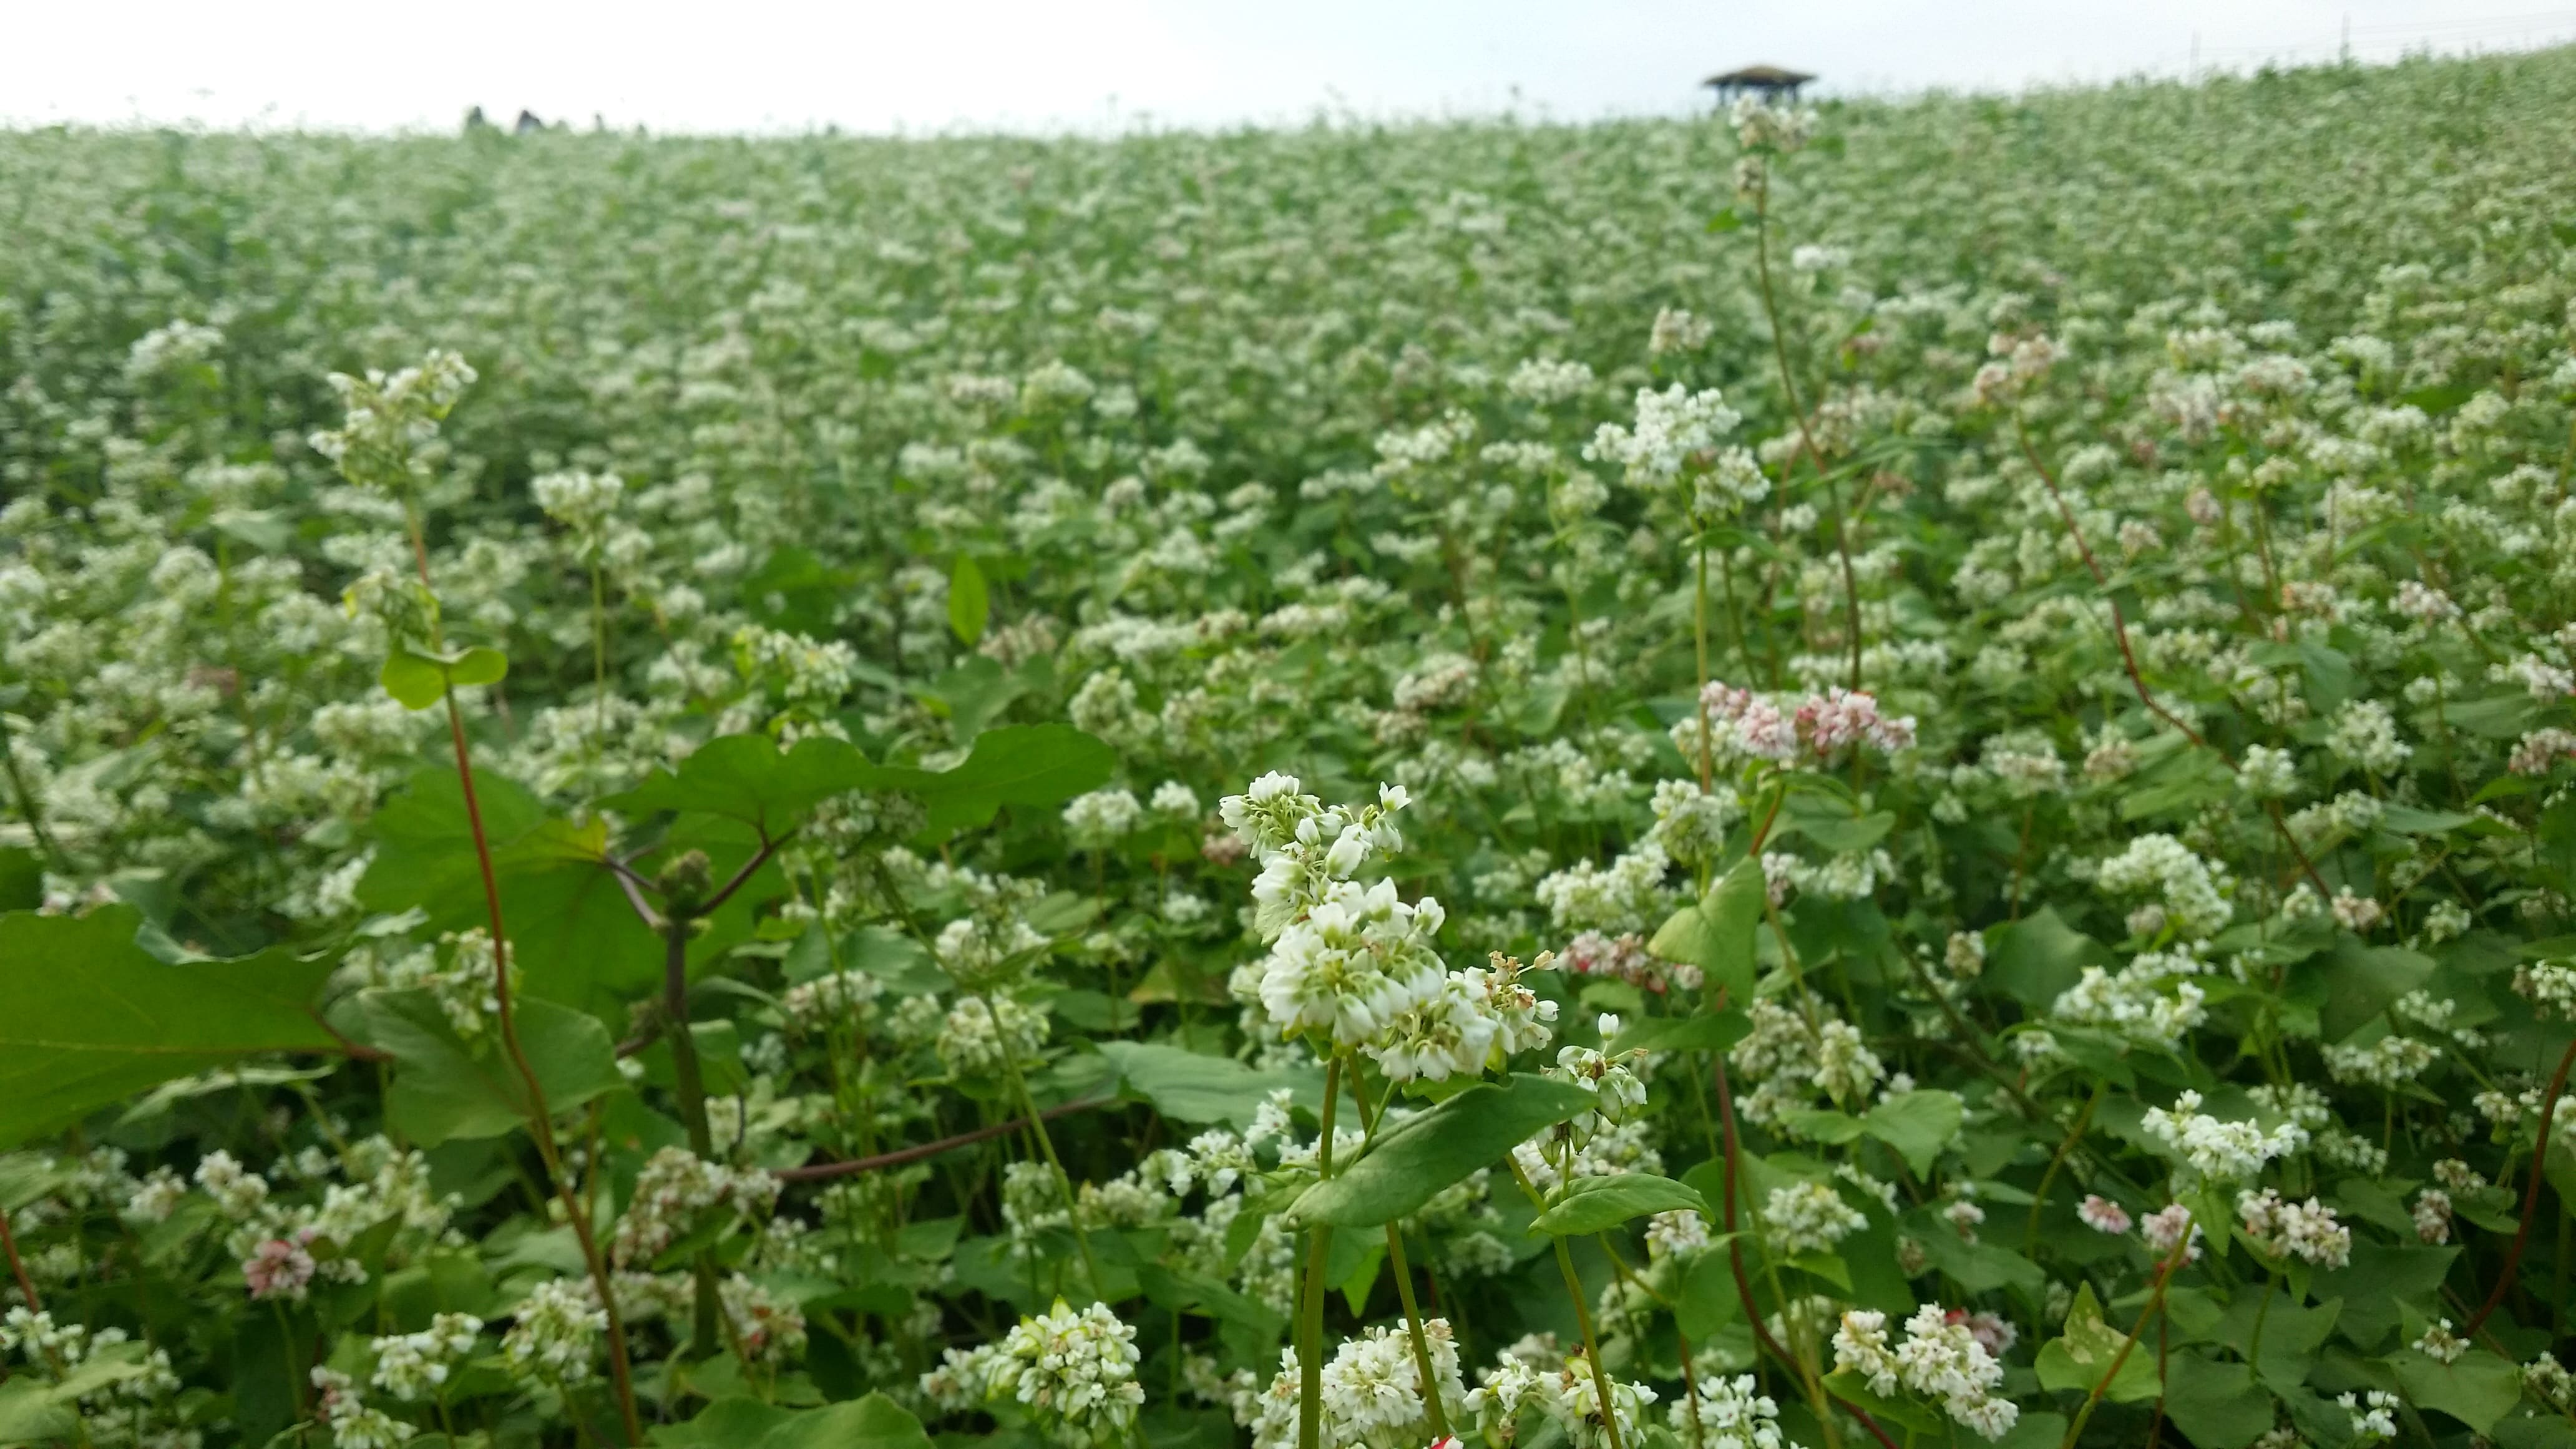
(1890, 775)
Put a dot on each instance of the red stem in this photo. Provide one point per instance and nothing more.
(897, 1158)
(1755, 849)
(541, 1119)
(2129, 657)
(9, 1244)
(2530, 1195)
(2119, 624)
(1735, 1258)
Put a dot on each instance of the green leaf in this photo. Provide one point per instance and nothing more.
(1724, 221)
(2184, 783)
(1705, 1032)
(2381, 1277)
(2084, 1354)
(721, 1425)
(747, 778)
(31, 1414)
(205, 1084)
(445, 1089)
(414, 679)
(1828, 1266)
(2496, 717)
(1836, 829)
(1717, 934)
(875, 1422)
(2439, 398)
(1709, 1299)
(261, 528)
(1595, 1204)
(2037, 957)
(22, 879)
(1189, 1086)
(1978, 1267)
(2033, 1431)
(1917, 1124)
(2218, 1404)
(94, 1019)
(1415, 1160)
(571, 929)
(2408, 820)
(1044, 764)
(969, 606)
(479, 665)
(1823, 1124)
(417, 678)
(1215, 1300)
(2361, 981)
(1909, 1415)
(2478, 1389)
(2291, 1334)
(973, 693)
(2329, 672)
(110, 1364)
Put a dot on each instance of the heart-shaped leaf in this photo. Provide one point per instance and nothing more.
(94, 1019)
(1596, 1204)
(1413, 1162)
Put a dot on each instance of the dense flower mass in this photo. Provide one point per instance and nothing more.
(1890, 772)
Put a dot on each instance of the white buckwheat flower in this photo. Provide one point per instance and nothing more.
(2225, 1151)
(413, 1366)
(2307, 1231)
(554, 1334)
(1076, 1369)
(1809, 1217)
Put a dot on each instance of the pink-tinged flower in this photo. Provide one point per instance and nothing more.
(1841, 719)
(2164, 1227)
(2103, 1215)
(1625, 957)
(1992, 1332)
(1836, 719)
(1965, 1216)
(2538, 752)
(1724, 701)
(277, 1268)
(1820, 727)
(2425, 604)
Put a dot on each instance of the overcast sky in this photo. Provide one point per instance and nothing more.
(928, 65)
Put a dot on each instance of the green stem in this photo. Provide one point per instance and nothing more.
(1310, 1297)
(688, 1082)
(2254, 1340)
(1421, 1341)
(1369, 1119)
(1806, 437)
(1699, 638)
(27, 804)
(2075, 1134)
(599, 653)
(1591, 1344)
(1046, 1144)
(2155, 1305)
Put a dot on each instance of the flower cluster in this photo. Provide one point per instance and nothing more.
(2225, 1151)
(1940, 1358)
(1809, 732)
